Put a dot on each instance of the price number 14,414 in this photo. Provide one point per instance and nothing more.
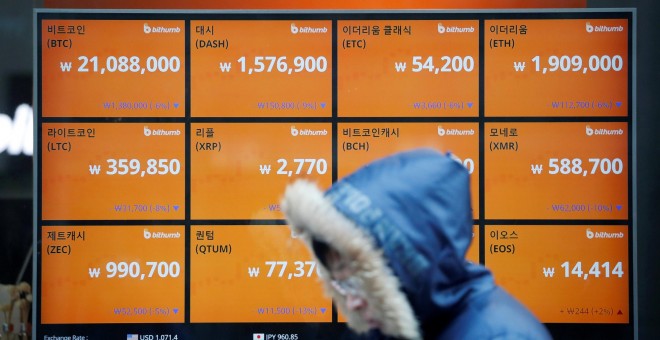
(596, 270)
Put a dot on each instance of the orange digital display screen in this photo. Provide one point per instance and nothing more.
(165, 142)
(563, 274)
(111, 68)
(112, 274)
(261, 68)
(362, 143)
(255, 273)
(556, 68)
(556, 170)
(414, 68)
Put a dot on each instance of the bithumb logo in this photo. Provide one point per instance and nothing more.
(160, 132)
(308, 132)
(589, 27)
(454, 132)
(160, 29)
(602, 28)
(603, 132)
(454, 29)
(307, 29)
(603, 234)
(159, 234)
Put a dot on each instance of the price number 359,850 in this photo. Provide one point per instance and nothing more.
(125, 166)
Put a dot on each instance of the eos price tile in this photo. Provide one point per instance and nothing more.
(564, 274)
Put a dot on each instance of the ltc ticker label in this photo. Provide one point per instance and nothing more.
(113, 68)
(569, 274)
(261, 68)
(256, 273)
(240, 170)
(362, 143)
(112, 274)
(113, 171)
(408, 68)
(576, 67)
(556, 170)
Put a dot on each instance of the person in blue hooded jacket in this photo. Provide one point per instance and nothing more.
(391, 239)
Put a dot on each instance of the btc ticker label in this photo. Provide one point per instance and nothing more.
(261, 68)
(564, 274)
(254, 273)
(556, 68)
(408, 68)
(556, 170)
(113, 68)
(119, 171)
(112, 274)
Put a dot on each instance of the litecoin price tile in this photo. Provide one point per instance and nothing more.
(121, 171)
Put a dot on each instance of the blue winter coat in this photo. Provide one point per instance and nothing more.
(419, 213)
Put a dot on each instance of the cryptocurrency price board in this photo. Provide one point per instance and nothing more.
(165, 141)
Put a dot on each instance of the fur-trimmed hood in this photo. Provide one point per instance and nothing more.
(407, 221)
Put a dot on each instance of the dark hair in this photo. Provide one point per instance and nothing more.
(321, 250)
